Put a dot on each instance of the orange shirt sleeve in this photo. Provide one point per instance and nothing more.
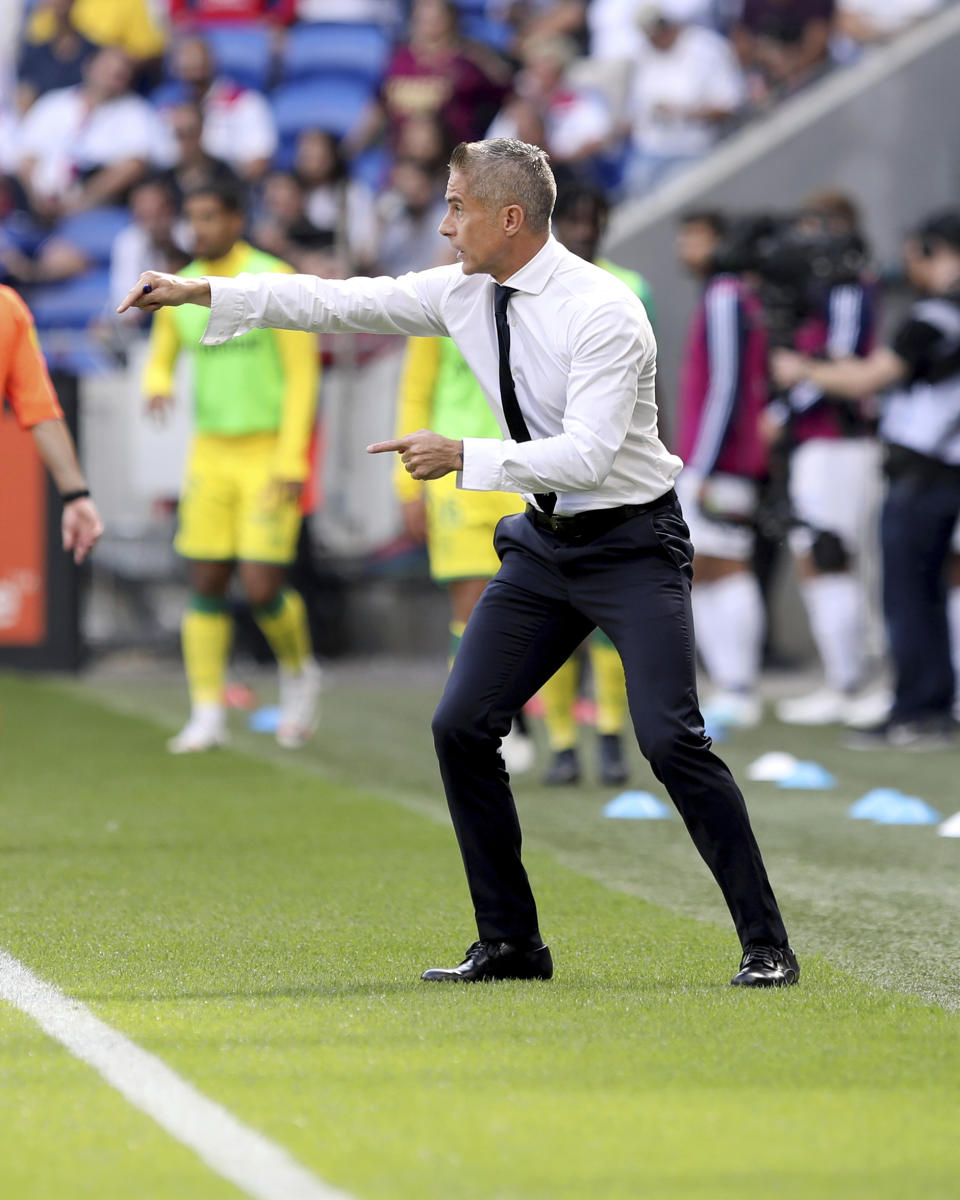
(23, 373)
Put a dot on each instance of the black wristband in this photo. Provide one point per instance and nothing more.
(79, 494)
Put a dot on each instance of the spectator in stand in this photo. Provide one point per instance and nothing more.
(833, 472)
(782, 44)
(193, 167)
(687, 85)
(862, 23)
(536, 20)
(56, 61)
(87, 145)
(421, 138)
(283, 228)
(238, 126)
(127, 24)
(149, 239)
(576, 121)
(342, 207)
(208, 12)
(616, 34)
(410, 213)
(723, 392)
(436, 73)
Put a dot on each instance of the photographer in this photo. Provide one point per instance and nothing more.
(832, 451)
(920, 427)
(723, 394)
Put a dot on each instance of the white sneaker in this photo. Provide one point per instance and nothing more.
(736, 710)
(206, 730)
(825, 706)
(518, 751)
(950, 827)
(299, 705)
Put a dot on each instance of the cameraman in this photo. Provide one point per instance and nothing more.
(833, 464)
(920, 427)
(723, 393)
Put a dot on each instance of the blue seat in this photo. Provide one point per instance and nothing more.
(480, 28)
(244, 53)
(328, 102)
(360, 51)
(70, 305)
(94, 231)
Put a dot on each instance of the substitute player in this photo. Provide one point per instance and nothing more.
(25, 384)
(438, 390)
(254, 409)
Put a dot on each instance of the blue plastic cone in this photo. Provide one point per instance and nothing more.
(637, 806)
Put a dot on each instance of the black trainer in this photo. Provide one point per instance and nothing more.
(764, 965)
(927, 733)
(613, 768)
(564, 769)
(490, 959)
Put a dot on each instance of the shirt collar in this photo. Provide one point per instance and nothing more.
(534, 275)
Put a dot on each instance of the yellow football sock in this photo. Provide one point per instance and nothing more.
(558, 695)
(609, 685)
(456, 637)
(284, 625)
(206, 632)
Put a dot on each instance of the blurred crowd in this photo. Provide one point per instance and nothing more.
(338, 116)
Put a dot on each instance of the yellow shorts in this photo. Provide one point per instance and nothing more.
(460, 529)
(227, 508)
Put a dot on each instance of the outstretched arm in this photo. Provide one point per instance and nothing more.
(409, 305)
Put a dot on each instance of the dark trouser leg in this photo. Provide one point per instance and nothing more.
(641, 599)
(521, 631)
(915, 529)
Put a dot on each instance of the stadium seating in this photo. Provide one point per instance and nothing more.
(358, 52)
(72, 304)
(329, 102)
(93, 231)
(243, 53)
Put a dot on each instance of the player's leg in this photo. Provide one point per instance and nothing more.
(727, 603)
(610, 693)
(206, 538)
(521, 631)
(558, 697)
(268, 528)
(829, 479)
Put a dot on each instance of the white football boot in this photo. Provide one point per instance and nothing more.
(734, 710)
(206, 730)
(299, 705)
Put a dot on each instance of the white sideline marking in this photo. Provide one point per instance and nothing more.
(233, 1150)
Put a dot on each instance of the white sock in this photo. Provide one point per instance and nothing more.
(729, 619)
(953, 621)
(836, 607)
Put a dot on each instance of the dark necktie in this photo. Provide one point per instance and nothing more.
(508, 393)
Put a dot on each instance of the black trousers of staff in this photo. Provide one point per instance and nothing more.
(633, 581)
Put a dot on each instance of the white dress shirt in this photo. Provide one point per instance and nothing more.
(582, 355)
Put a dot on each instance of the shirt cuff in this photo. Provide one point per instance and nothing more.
(481, 471)
(226, 310)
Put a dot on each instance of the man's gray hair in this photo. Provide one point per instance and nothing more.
(506, 171)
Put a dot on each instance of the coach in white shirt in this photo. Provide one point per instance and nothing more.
(566, 358)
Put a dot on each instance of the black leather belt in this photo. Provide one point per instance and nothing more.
(585, 526)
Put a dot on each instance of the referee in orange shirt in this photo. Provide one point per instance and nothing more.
(25, 384)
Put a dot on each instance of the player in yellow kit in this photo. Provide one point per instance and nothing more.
(254, 411)
(438, 391)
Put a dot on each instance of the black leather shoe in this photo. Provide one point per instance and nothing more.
(613, 769)
(563, 770)
(764, 965)
(488, 960)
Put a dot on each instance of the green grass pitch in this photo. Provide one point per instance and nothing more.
(259, 921)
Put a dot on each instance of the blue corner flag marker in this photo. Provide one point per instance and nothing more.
(888, 806)
(809, 776)
(264, 720)
(637, 806)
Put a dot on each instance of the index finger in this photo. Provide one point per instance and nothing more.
(384, 447)
(131, 298)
